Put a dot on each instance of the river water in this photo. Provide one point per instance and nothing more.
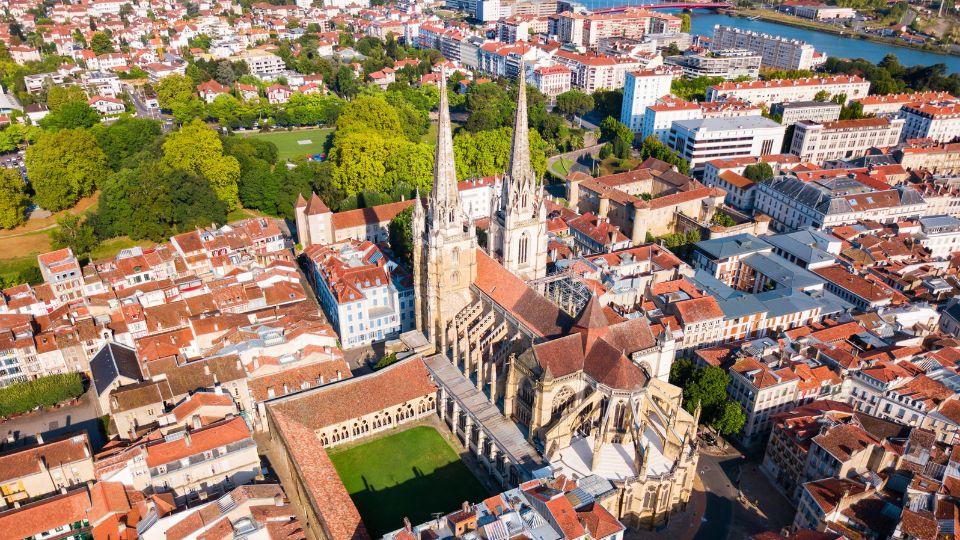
(843, 47)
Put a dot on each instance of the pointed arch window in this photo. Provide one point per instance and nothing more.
(524, 248)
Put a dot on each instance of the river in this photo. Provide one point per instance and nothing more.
(843, 47)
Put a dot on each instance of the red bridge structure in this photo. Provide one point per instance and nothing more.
(667, 5)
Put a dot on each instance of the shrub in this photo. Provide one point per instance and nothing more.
(43, 392)
(385, 361)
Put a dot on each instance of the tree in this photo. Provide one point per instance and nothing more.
(653, 148)
(401, 234)
(822, 95)
(671, 50)
(57, 96)
(730, 419)
(13, 199)
(369, 113)
(224, 109)
(175, 93)
(706, 387)
(608, 102)
(853, 111)
(685, 22)
(347, 85)
(574, 103)
(71, 115)
(489, 107)
(758, 172)
(73, 232)
(101, 43)
(693, 89)
(723, 220)
(197, 149)
(63, 167)
(486, 153)
(126, 137)
(612, 130)
(225, 74)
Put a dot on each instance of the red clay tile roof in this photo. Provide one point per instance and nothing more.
(565, 517)
(510, 292)
(325, 491)
(26, 461)
(829, 491)
(598, 521)
(919, 525)
(355, 397)
(698, 310)
(367, 216)
(200, 440)
(41, 516)
(294, 378)
(843, 441)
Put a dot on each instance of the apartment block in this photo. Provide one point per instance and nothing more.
(775, 51)
(640, 90)
(45, 468)
(551, 80)
(796, 204)
(727, 63)
(263, 64)
(762, 392)
(208, 460)
(783, 90)
(699, 141)
(937, 121)
(366, 296)
(814, 111)
(590, 72)
(61, 270)
(843, 139)
(658, 118)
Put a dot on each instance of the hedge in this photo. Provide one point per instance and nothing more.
(45, 391)
(385, 361)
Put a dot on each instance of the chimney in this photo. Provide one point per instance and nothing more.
(197, 424)
(466, 506)
(278, 500)
(407, 525)
(339, 375)
(186, 438)
(39, 438)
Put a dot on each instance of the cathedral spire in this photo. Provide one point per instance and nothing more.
(519, 168)
(445, 198)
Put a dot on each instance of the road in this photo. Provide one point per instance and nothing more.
(79, 417)
(726, 517)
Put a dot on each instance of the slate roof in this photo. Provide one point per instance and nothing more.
(111, 362)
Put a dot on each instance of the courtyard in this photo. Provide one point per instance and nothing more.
(413, 473)
(297, 143)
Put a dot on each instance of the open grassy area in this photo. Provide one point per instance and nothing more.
(431, 136)
(109, 248)
(561, 167)
(413, 473)
(11, 269)
(288, 141)
(613, 165)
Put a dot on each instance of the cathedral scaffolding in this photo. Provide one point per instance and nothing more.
(565, 289)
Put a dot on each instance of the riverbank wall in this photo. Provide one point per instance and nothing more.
(789, 20)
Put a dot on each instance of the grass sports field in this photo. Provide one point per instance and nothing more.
(413, 473)
(288, 142)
